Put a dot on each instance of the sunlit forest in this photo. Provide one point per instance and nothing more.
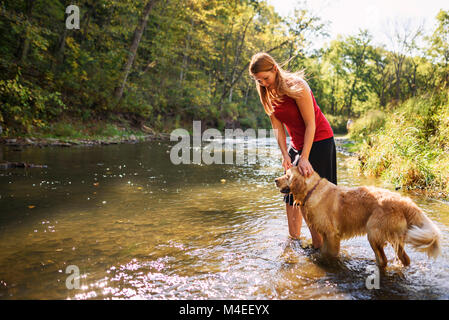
(160, 65)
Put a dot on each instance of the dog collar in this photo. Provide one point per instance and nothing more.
(302, 204)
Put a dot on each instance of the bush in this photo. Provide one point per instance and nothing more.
(25, 106)
(108, 130)
(338, 123)
(409, 149)
(363, 128)
(61, 129)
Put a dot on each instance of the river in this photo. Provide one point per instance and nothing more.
(136, 226)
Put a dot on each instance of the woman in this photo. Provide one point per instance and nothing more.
(288, 100)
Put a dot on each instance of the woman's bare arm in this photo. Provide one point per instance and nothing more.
(305, 106)
(279, 132)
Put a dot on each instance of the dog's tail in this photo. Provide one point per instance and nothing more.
(425, 237)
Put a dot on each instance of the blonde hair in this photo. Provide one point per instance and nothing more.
(286, 83)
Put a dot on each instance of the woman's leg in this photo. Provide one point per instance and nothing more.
(294, 218)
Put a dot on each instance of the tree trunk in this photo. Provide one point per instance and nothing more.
(246, 93)
(238, 53)
(25, 47)
(209, 83)
(133, 49)
(225, 65)
(398, 72)
(27, 39)
(333, 85)
(239, 74)
(59, 55)
(186, 52)
(412, 83)
(398, 85)
(351, 96)
(290, 55)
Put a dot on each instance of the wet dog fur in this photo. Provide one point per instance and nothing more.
(339, 212)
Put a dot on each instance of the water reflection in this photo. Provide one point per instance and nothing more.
(139, 227)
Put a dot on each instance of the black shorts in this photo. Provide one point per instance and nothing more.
(323, 158)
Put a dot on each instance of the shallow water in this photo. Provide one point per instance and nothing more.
(138, 227)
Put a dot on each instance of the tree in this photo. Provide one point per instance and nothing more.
(356, 53)
(303, 28)
(382, 76)
(133, 48)
(439, 48)
(403, 38)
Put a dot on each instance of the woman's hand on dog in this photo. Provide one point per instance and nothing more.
(287, 163)
(304, 166)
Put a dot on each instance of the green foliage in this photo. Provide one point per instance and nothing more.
(338, 123)
(192, 64)
(61, 129)
(438, 50)
(25, 106)
(368, 125)
(441, 136)
(107, 130)
(192, 60)
(410, 149)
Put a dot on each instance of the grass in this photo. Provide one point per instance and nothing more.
(338, 123)
(408, 146)
(71, 130)
(352, 147)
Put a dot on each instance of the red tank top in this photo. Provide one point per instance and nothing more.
(288, 113)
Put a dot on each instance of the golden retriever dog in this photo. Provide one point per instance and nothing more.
(338, 213)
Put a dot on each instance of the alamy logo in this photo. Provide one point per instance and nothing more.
(217, 147)
(73, 280)
(373, 280)
(73, 20)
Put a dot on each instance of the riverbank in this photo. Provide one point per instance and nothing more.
(351, 148)
(69, 142)
(407, 145)
(345, 146)
(76, 133)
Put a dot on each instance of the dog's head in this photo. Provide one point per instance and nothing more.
(291, 182)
